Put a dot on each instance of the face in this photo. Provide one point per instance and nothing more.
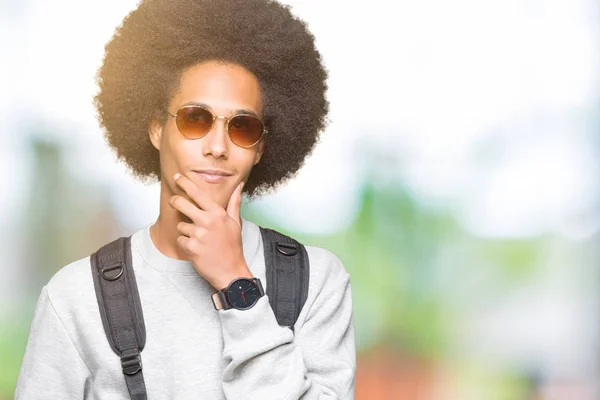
(224, 89)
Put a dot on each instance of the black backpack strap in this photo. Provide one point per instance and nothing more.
(121, 310)
(287, 273)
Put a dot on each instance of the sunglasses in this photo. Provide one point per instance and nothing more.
(194, 122)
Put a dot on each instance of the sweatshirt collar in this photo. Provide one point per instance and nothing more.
(159, 261)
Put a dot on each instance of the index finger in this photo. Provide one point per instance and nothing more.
(193, 191)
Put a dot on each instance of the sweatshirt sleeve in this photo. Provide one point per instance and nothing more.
(52, 367)
(267, 361)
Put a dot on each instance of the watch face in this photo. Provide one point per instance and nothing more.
(242, 294)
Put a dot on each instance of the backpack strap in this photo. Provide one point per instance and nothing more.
(121, 310)
(287, 272)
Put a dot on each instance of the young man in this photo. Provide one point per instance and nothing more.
(213, 98)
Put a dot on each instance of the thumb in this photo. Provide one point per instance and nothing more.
(235, 202)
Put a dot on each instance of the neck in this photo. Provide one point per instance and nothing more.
(164, 232)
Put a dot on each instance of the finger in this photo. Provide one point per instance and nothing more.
(183, 243)
(187, 208)
(186, 229)
(193, 191)
(235, 201)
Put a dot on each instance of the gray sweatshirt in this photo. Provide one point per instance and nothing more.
(192, 350)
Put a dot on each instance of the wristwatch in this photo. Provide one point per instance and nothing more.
(241, 293)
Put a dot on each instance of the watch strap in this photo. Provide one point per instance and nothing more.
(220, 300)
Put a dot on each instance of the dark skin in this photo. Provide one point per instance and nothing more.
(200, 220)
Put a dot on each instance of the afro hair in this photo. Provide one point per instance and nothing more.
(157, 41)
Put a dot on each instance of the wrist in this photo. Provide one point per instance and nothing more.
(224, 281)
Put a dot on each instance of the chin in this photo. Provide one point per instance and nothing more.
(218, 195)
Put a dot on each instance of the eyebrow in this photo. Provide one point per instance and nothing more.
(204, 105)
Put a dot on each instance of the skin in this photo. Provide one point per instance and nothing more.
(198, 220)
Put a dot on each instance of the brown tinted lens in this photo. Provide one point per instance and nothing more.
(245, 130)
(194, 122)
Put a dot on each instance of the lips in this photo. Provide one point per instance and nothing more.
(213, 175)
(210, 171)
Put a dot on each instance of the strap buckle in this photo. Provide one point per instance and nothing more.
(287, 249)
(131, 364)
(110, 268)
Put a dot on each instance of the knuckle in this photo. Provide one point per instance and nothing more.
(192, 245)
(210, 221)
(197, 233)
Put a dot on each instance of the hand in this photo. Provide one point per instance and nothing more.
(213, 239)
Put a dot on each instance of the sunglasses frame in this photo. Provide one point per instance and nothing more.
(227, 119)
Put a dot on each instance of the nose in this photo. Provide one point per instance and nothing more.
(216, 141)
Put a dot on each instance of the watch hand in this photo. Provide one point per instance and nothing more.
(243, 297)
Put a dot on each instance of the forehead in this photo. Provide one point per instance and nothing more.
(225, 88)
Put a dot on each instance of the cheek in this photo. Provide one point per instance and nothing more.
(180, 147)
(173, 151)
(246, 158)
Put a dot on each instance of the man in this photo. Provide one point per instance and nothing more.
(213, 98)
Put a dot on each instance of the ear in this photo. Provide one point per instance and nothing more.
(259, 153)
(155, 130)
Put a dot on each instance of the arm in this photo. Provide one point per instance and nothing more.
(52, 367)
(265, 360)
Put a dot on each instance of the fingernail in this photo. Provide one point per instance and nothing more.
(176, 176)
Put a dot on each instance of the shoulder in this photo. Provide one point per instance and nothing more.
(72, 287)
(327, 271)
(329, 286)
(71, 276)
(325, 262)
(325, 266)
